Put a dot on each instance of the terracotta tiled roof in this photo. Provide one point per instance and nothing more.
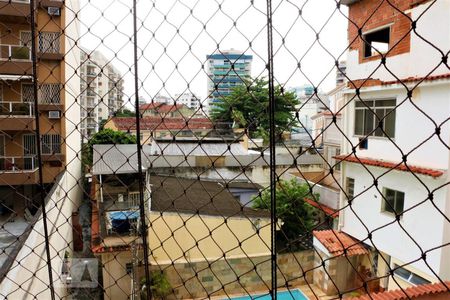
(338, 243)
(326, 209)
(359, 83)
(390, 165)
(424, 291)
(102, 249)
(417, 79)
(160, 107)
(166, 123)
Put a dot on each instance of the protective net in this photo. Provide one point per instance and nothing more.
(192, 149)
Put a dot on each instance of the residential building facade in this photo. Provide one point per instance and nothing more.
(225, 70)
(163, 110)
(162, 127)
(311, 103)
(57, 115)
(395, 161)
(101, 91)
(190, 100)
(18, 145)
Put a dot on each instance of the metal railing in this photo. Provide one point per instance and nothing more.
(13, 164)
(19, 109)
(15, 52)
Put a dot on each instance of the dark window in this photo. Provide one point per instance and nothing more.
(350, 188)
(394, 201)
(376, 42)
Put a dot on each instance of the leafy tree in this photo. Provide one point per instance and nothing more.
(125, 113)
(105, 136)
(248, 106)
(297, 216)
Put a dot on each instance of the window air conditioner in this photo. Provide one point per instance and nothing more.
(54, 11)
(54, 114)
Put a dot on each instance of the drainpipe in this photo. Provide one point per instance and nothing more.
(101, 189)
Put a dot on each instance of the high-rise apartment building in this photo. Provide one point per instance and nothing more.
(101, 91)
(225, 70)
(54, 111)
(18, 146)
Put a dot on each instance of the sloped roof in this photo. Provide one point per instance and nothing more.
(424, 291)
(118, 159)
(325, 208)
(339, 243)
(199, 148)
(390, 165)
(172, 194)
(158, 123)
(161, 107)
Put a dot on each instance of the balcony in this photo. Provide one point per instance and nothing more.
(15, 60)
(17, 116)
(50, 46)
(18, 170)
(50, 97)
(15, 11)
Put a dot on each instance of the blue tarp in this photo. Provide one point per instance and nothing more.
(123, 215)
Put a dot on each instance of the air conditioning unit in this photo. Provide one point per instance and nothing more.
(54, 114)
(54, 11)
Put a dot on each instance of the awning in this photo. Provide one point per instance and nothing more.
(15, 77)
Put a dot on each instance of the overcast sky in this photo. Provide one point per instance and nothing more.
(174, 38)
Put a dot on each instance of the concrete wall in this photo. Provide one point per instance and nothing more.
(116, 282)
(28, 275)
(188, 237)
(237, 275)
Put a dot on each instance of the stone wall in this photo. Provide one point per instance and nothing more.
(237, 275)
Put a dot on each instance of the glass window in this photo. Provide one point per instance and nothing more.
(375, 118)
(409, 276)
(350, 187)
(394, 201)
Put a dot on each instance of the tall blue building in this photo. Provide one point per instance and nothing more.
(225, 70)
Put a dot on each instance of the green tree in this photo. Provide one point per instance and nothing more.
(159, 286)
(248, 106)
(105, 136)
(125, 113)
(297, 216)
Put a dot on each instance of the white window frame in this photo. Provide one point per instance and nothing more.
(364, 107)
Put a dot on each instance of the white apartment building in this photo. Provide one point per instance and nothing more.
(188, 99)
(311, 104)
(399, 210)
(101, 91)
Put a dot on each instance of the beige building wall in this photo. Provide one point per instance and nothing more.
(198, 238)
(116, 281)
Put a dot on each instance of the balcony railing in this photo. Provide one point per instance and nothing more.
(18, 163)
(20, 109)
(124, 201)
(16, 1)
(49, 42)
(50, 93)
(15, 52)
